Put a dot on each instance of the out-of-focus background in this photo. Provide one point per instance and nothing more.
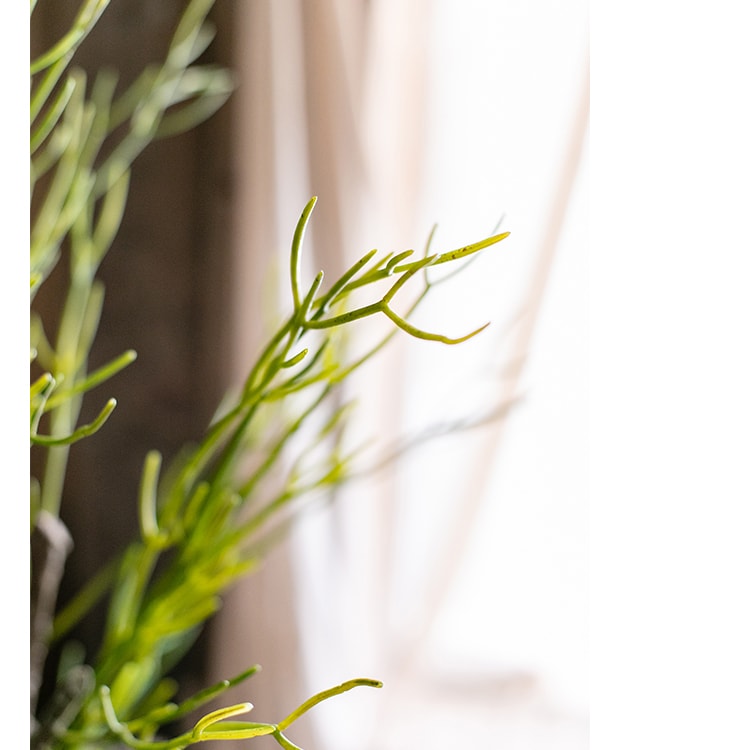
(457, 574)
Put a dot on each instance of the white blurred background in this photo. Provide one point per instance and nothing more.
(457, 575)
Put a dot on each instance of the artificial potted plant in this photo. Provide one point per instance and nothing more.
(203, 522)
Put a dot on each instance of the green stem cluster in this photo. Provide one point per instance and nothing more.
(206, 522)
(79, 196)
(215, 725)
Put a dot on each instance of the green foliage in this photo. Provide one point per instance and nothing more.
(214, 725)
(207, 519)
(79, 190)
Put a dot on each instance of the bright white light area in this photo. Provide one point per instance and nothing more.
(481, 605)
(507, 80)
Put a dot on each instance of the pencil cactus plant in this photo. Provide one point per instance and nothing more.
(204, 521)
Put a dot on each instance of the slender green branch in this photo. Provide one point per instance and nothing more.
(219, 715)
(203, 697)
(94, 379)
(332, 295)
(82, 432)
(295, 360)
(324, 695)
(348, 317)
(296, 254)
(40, 391)
(303, 311)
(87, 18)
(46, 86)
(147, 501)
(236, 731)
(475, 247)
(52, 116)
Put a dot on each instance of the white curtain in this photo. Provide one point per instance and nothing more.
(457, 575)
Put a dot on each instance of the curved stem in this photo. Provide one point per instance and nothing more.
(296, 255)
